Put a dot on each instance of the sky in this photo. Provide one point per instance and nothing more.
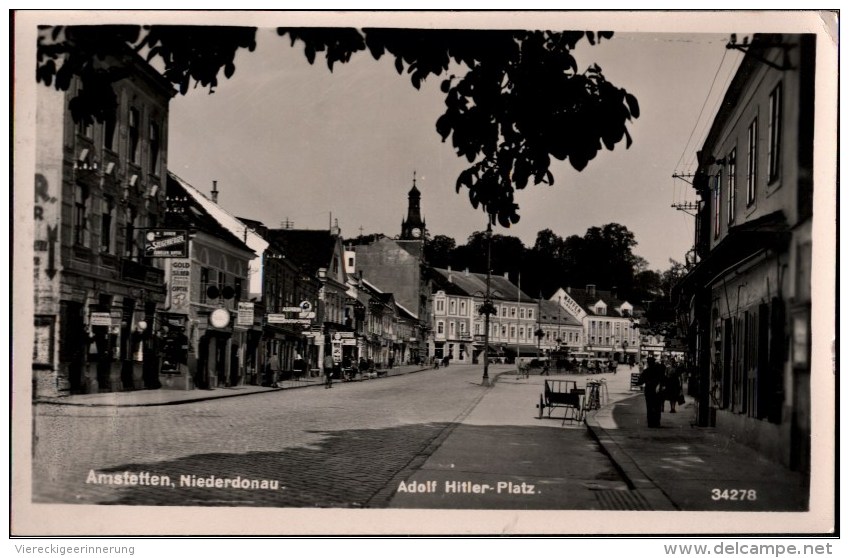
(289, 141)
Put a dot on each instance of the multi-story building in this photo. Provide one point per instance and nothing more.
(458, 324)
(747, 301)
(205, 290)
(98, 186)
(561, 331)
(397, 265)
(319, 253)
(609, 328)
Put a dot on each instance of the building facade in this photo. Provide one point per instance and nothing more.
(746, 303)
(98, 187)
(609, 328)
(205, 290)
(458, 323)
(561, 332)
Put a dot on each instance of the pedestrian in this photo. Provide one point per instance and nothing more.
(652, 381)
(328, 371)
(672, 389)
(544, 368)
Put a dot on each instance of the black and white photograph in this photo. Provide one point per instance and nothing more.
(436, 273)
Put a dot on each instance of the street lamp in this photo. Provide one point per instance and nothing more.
(487, 307)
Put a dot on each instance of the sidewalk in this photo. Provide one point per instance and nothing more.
(684, 467)
(155, 397)
(675, 467)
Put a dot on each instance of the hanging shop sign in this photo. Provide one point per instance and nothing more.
(166, 243)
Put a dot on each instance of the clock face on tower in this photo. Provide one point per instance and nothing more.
(416, 232)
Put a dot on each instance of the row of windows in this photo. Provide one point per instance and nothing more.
(730, 161)
(524, 313)
(82, 227)
(134, 138)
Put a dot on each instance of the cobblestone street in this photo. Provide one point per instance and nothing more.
(350, 446)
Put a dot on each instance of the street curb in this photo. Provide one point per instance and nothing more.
(198, 399)
(624, 463)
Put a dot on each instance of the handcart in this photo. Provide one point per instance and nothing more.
(564, 394)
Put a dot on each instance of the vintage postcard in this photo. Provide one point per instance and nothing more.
(424, 273)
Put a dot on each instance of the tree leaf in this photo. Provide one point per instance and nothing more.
(633, 105)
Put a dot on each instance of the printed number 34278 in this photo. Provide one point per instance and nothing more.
(733, 494)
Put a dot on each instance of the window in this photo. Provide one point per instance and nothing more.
(440, 305)
(80, 215)
(204, 283)
(774, 132)
(130, 248)
(462, 328)
(106, 223)
(512, 311)
(109, 134)
(522, 313)
(504, 331)
(453, 329)
(452, 307)
(751, 162)
(477, 328)
(530, 313)
(512, 331)
(601, 310)
(521, 333)
(503, 311)
(155, 146)
(462, 307)
(440, 328)
(134, 134)
(717, 202)
(731, 198)
(350, 261)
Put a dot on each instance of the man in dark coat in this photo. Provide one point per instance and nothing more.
(651, 379)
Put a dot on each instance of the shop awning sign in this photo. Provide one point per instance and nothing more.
(166, 243)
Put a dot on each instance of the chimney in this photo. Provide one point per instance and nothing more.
(214, 191)
(507, 275)
(568, 290)
(591, 290)
(613, 292)
(466, 272)
(450, 276)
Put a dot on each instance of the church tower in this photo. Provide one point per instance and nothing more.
(413, 227)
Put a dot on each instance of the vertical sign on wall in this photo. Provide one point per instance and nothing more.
(178, 284)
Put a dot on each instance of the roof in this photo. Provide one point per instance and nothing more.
(549, 311)
(313, 249)
(474, 284)
(195, 213)
(224, 218)
(587, 299)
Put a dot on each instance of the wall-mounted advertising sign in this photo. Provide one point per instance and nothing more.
(166, 243)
